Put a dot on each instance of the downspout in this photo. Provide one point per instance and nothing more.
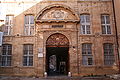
(116, 32)
(77, 49)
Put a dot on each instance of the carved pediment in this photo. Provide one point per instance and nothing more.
(57, 14)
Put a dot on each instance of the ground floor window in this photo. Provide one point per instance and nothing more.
(28, 55)
(6, 55)
(108, 54)
(87, 58)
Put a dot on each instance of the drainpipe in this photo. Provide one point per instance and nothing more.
(116, 32)
(78, 67)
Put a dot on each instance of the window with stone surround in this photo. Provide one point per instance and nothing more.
(8, 25)
(6, 55)
(105, 23)
(29, 25)
(108, 54)
(85, 24)
(87, 57)
(28, 55)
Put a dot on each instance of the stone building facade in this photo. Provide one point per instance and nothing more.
(60, 37)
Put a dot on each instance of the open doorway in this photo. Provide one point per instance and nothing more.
(57, 56)
(57, 60)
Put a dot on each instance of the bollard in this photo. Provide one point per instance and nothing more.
(69, 74)
(45, 74)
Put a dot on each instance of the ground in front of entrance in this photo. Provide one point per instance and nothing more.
(56, 78)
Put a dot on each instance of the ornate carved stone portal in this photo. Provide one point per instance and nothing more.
(57, 40)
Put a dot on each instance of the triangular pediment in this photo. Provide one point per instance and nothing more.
(57, 14)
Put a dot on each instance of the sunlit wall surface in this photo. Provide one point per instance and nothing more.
(15, 7)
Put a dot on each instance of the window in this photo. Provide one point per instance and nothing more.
(29, 25)
(105, 22)
(87, 58)
(6, 56)
(85, 24)
(108, 54)
(28, 55)
(8, 25)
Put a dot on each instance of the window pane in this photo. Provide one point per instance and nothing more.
(3, 60)
(103, 19)
(108, 29)
(107, 19)
(31, 30)
(87, 18)
(90, 61)
(25, 61)
(103, 29)
(83, 29)
(31, 61)
(88, 29)
(84, 60)
(9, 47)
(26, 30)
(8, 61)
(82, 20)
(31, 19)
(26, 19)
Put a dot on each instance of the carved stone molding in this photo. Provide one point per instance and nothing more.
(57, 40)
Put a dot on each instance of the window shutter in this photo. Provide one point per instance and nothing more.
(1, 37)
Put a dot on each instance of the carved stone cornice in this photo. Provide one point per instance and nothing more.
(57, 13)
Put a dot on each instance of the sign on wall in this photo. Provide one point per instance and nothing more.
(1, 37)
(40, 54)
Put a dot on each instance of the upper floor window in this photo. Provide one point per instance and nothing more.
(28, 55)
(6, 55)
(87, 58)
(108, 54)
(85, 24)
(29, 25)
(8, 25)
(105, 22)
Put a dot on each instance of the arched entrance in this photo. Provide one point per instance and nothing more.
(57, 57)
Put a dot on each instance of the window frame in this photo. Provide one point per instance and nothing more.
(87, 22)
(8, 25)
(86, 57)
(108, 54)
(28, 55)
(7, 54)
(28, 26)
(107, 31)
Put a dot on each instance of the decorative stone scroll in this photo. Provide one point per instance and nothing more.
(57, 40)
(58, 15)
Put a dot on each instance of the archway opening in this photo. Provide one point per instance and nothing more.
(57, 57)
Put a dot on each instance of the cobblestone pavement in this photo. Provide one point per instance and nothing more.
(56, 78)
